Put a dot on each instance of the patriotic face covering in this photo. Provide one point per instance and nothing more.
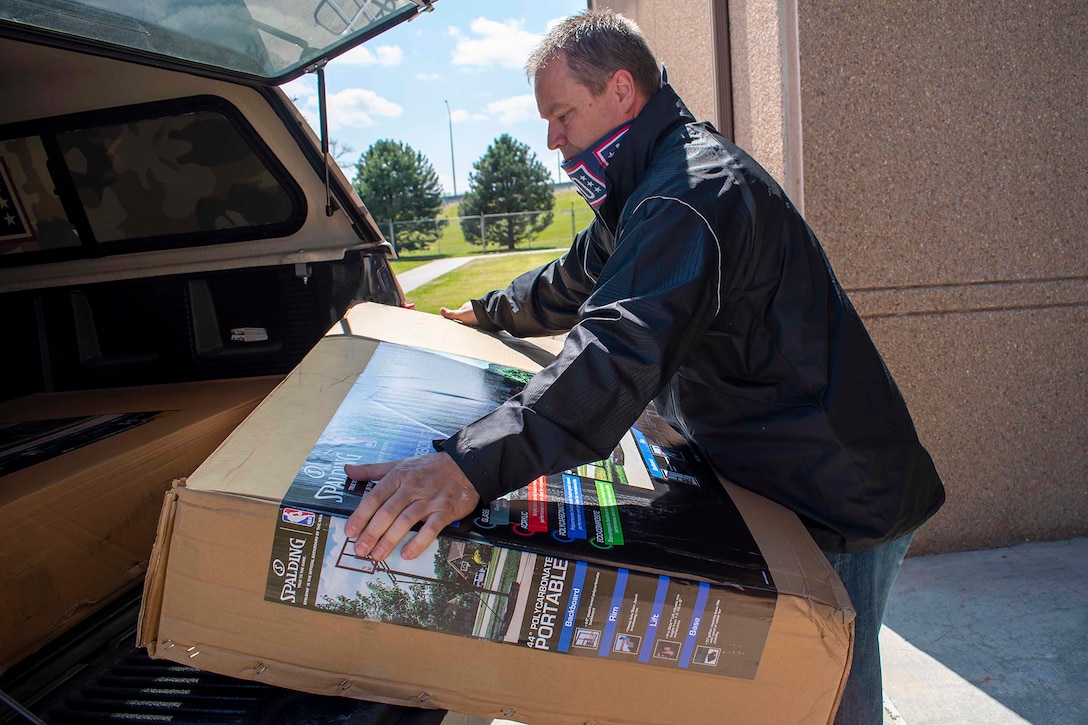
(586, 169)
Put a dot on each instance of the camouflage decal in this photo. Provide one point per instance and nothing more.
(168, 176)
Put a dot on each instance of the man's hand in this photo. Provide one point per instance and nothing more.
(463, 314)
(429, 488)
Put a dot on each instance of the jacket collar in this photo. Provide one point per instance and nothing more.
(661, 114)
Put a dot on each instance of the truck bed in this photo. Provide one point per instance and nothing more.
(95, 674)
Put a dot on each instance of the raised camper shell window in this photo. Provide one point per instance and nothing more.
(140, 178)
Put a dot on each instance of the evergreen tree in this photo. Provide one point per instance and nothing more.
(507, 179)
(398, 184)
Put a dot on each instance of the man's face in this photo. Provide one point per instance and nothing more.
(575, 117)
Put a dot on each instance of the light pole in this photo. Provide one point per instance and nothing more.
(452, 164)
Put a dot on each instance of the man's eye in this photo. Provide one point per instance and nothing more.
(565, 117)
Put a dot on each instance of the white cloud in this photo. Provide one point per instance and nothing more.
(497, 43)
(385, 55)
(303, 93)
(427, 76)
(358, 107)
(459, 115)
(351, 107)
(514, 109)
(301, 90)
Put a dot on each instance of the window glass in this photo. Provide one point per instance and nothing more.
(263, 39)
(133, 180)
(169, 176)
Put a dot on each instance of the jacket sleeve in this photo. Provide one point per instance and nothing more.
(655, 294)
(545, 301)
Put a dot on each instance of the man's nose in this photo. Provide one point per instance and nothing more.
(556, 139)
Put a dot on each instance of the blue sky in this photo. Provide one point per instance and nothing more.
(469, 53)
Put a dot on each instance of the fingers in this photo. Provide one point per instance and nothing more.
(362, 523)
(464, 314)
(426, 535)
(386, 529)
(429, 489)
(368, 471)
(370, 504)
(456, 505)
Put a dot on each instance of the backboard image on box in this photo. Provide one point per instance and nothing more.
(587, 638)
(457, 586)
(592, 561)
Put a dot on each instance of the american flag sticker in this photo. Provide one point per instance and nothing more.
(14, 224)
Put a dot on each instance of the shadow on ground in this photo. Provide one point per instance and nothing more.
(997, 636)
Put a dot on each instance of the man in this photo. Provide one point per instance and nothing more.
(700, 287)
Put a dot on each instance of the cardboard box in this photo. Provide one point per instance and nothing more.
(82, 477)
(638, 575)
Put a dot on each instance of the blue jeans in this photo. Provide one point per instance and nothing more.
(868, 577)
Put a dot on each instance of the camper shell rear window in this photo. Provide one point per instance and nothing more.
(139, 178)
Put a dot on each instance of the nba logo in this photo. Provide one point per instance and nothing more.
(298, 516)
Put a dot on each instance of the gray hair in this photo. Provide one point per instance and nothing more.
(596, 45)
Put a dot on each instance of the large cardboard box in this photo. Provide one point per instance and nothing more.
(641, 589)
(82, 476)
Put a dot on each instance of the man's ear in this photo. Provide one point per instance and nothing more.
(625, 90)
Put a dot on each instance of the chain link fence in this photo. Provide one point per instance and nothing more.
(449, 236)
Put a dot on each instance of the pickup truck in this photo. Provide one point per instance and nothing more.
(166, 216)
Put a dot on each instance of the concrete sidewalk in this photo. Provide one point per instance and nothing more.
(989, 637)
(424, 273)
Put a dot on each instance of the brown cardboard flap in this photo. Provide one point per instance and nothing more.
(285, 426)
(433, 332)
(797, 564)
(147, 626)
(79, 523)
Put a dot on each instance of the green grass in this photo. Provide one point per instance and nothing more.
(560, 233)
(474, 279)
(403, 265)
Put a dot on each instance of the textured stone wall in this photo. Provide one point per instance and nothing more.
(945, 157)
(940, 150)
(679, 33)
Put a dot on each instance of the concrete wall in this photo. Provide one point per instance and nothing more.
(939, 150)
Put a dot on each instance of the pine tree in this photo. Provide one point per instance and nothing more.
(507, 179)
(398, 184)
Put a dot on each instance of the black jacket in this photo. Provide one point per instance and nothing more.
(699, 286)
